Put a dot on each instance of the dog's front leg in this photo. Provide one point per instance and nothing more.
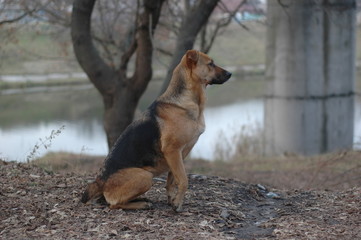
(175, 163)
(171, 188)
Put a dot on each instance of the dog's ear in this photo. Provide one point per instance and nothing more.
(192, 58)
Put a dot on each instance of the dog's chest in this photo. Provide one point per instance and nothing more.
(201, 126)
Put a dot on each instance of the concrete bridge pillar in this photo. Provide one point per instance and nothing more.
(310, 72)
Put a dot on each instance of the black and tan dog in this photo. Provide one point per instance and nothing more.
(160, 140)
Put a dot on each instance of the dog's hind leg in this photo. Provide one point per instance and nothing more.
(126, 185)
(93, 191)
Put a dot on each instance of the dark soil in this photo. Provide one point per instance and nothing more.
(36, 204)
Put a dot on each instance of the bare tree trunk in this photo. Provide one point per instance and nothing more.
(120, 94)
(310, 76)
(193, 22)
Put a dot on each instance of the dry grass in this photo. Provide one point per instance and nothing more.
(241, 158)
(333, 171)
(69, 162)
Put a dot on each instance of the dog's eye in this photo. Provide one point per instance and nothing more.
(211, 64)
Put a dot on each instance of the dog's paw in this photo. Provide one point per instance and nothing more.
(177, 205)
(178, 209)
(148, 205)
(171, 200)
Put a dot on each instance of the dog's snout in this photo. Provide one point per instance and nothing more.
(228, 75)
(221, 78)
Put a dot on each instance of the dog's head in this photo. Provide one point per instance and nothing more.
(203, 67)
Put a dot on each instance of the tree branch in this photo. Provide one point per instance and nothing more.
(147, 21)
(128, 53)
(8, 21)
(192, 23)
(206, 46)
(99, 73)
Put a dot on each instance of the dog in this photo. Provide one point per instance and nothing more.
(159, 141)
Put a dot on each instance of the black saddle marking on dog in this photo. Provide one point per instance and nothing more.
(137, 146)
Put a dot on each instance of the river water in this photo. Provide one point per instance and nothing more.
(84, 134)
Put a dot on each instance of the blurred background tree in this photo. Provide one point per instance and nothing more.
(107, 35)
(120, 93)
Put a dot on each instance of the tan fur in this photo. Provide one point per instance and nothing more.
(182, 120)
(125, 186)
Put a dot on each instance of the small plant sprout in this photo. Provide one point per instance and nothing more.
(45, 143)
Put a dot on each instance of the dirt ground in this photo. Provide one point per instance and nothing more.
(36, 204)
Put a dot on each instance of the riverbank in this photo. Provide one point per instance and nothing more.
(17, 84)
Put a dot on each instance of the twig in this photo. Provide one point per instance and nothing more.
(46, 143)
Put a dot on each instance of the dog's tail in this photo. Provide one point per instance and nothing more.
(93, 190)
